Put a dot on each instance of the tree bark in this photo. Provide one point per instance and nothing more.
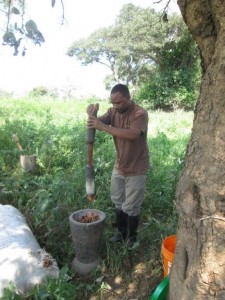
(198, 270)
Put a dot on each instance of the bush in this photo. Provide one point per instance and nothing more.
(174, 83)
(39, 92)
(158, 95)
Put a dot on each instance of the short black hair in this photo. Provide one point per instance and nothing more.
(123, 89)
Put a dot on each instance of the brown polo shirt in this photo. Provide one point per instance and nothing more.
(132, 155)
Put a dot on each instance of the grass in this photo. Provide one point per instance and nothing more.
(56, 132)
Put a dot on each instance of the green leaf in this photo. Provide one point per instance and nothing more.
(15, 11)
(9, 38)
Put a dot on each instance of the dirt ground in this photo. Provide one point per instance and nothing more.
(137, 281)
(140, 287)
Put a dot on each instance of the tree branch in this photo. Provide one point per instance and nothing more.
(159, 1)
(63, 13)
(8, 16)
(5, 12)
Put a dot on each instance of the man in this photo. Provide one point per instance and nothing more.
(127, 122)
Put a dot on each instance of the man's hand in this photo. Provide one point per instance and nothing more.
(94, 122)
(92, 109)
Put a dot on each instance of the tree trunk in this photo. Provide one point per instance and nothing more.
(198, 270)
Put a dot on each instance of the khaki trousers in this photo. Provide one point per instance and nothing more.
(127, 192)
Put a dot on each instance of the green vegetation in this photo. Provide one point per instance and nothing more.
(174, 82)
(56, 132)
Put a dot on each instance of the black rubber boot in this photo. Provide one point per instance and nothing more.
(133, 222)
(121, 223)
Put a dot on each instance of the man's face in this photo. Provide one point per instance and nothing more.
(120, 103)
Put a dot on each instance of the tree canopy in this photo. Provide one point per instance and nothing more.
(175, 80)
(156, 56)
(133, 46)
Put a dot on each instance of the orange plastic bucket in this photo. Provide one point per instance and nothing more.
(168, 249)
